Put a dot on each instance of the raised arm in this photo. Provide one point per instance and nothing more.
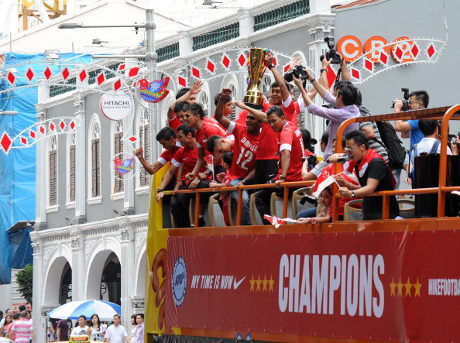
(194, 90)
(219, 115)
(150, 168)
(269, 58)
(262, 116)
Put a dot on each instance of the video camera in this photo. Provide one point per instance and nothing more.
(332, 53)
(405, 101)
(298, 72)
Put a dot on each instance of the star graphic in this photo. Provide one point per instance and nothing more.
(400, 287)
(271, 282)
(417, 287)
(258, 282)
(252, 282)
(392, 287)
(408, 287)
(264, 283)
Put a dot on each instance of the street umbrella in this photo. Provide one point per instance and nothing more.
(104, 309)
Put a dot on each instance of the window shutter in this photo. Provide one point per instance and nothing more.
(72, 173)
(118, 150)
(95, 168)
(52, 177)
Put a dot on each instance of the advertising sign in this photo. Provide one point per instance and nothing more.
(116, 106)
(374, 285)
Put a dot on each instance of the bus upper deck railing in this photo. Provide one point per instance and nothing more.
(443, 113)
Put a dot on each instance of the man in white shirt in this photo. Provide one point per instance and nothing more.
(116, 333)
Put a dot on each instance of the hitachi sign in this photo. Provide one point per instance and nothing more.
(326, 284)
(117, 103)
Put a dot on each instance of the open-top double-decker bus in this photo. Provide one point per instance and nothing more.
(347, 280)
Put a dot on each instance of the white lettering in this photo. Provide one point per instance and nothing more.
(283, 291)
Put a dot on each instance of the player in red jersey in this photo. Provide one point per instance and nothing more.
(185, 158)
(176, 111)
(292, 153)
(168, 139)
(246, 142)
(204, 129)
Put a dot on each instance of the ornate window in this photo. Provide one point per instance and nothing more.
(203, 99)
(95, 157)
(231, 82)
(71, 167)
(117, 144)
(144, 142)
(52, 171)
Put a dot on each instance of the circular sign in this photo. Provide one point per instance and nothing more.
(373, 48)
(116, 106)
(401, 50)
(350, 47)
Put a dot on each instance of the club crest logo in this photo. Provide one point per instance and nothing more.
(179, 281)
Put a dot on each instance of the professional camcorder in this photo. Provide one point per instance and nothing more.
(332, 53)
(405, 101)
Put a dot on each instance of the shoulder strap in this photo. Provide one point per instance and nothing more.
(435, 147)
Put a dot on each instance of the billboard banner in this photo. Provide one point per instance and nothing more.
(368, 285)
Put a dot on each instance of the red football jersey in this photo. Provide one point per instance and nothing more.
(174, 123)
(167, 155)
(291, 110)
(187, 157)
(244, 151)
(209, 128)
(291, 139)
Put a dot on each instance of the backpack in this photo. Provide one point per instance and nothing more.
(413, 155)
(395, 149)
(390, 140)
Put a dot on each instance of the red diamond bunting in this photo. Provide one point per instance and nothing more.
(42, 130)
(117, 85)
(210, 66)
(52, 126)
(5, 142)
(133, 72)
(275, 61)
(196, 72)
(132, 139)
(241, 60)
(100, 79)
(30, 74)
(355, 73)
(47, 73)
(182, 81)
(226, 61)
(331, 76)
(72, 125)
(286, 67)
(32, 134)
(369, 65)
(415, 50)
(122, 66)
(11, 78)
(24, 140)
(62, 125)
(399, 53)
(83, 75)
(65, 73)
(383, 57)
(431, 51)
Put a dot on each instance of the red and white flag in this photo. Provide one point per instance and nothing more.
(210, 163)
(276, 221)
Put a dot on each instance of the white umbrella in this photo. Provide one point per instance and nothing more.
(104, 309)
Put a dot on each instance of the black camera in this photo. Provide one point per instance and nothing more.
(405, 101)
(298, 72)
(332, 53)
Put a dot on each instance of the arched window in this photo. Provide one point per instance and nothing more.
(71, 146)
(267, 85)
(203, 99)
(52, 171)
(95, 157)
(117, 150)
(144, 142)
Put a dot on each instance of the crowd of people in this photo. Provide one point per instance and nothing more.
(17, 325)
(265, 145)
(97, 330)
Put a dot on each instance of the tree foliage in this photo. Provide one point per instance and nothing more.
(24, 280)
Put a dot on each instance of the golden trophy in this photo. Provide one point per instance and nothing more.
(256, 68)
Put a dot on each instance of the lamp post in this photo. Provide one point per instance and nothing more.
(8, 113)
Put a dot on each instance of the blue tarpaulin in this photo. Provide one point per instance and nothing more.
(17, 168)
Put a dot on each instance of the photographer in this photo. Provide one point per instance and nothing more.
(417, 100)
(343, 100)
